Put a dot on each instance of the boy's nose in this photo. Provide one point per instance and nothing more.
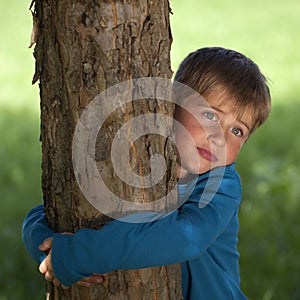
(216, 136)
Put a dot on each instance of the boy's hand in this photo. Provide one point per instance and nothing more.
(47, 269)
(46, 265)
(94, 279)
(46, 245)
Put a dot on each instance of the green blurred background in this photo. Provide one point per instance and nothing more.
(268, 32)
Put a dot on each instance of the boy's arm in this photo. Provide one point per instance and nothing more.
(180, 236)
(34, 231)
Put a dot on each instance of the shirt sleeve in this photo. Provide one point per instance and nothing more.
(180, 236)
(34, 230)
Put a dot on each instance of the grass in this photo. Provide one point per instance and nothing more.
(269, 237)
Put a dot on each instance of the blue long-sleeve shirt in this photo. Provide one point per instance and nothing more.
(202, 237)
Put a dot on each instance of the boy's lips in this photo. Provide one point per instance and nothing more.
(207, 155)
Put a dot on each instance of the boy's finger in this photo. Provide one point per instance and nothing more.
(46, 265)
(56, 282)
(84, 283)
(46, 245)
(43, 266)
(97, 278)
(94, 279)
(49, 276)
(64, 287)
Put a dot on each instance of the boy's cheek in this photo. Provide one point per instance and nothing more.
(232, 153)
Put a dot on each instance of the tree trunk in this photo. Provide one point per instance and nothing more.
(83, 48)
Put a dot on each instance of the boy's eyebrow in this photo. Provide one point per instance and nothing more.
(221, 111)
(245, 124)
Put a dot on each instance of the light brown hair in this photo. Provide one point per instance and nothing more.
(210, 68)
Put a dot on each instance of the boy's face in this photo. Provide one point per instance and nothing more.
(210, 135)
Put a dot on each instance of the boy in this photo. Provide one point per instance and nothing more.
(202, 237)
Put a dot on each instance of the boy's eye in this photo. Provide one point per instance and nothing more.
(236, 131)
(211, 116)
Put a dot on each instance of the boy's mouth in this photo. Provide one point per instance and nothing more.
(206, 154)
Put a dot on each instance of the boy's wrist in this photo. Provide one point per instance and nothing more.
(61, 259)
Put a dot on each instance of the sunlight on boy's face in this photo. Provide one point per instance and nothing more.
(213, 135)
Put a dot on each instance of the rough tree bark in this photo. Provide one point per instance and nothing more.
(82, 48)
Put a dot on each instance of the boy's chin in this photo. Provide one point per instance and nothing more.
(188, 173)
(189, 170)
(205, 169)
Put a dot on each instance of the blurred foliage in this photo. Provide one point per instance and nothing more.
(19, 186)
(269, 222)
(20, 153)
(269, 163)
